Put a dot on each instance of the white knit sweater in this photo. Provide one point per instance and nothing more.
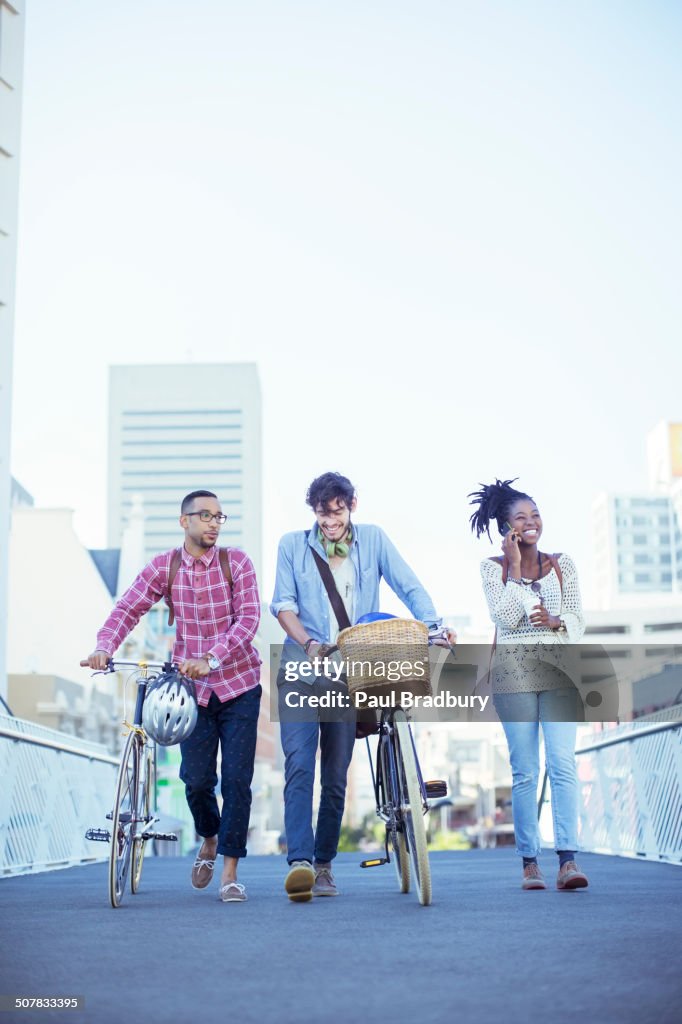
(510, 605)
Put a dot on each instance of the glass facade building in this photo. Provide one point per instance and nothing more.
(175, 429)
(638, 546)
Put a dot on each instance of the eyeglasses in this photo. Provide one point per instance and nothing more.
(207, 516)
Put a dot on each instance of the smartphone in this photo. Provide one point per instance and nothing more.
(507, 528)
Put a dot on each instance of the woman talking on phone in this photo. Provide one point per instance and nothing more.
(534, 598)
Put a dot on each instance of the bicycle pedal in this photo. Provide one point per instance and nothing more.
(162, 837)
(98, 835)
(374, 862)
(436, 787)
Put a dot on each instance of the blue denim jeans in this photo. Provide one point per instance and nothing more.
(521, 715)
(301, 732)
(233, 724)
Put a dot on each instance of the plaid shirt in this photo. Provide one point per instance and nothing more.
(209, 619)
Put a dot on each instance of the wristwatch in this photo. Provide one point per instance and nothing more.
(561, 628)
(213, 662)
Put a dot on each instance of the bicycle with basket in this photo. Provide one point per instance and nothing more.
(401, 793)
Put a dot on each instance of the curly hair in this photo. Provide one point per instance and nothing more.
(327, 487)
(494, 502)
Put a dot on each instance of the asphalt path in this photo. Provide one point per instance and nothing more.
(484, 951)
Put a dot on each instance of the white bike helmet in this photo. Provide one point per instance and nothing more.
(169, 712)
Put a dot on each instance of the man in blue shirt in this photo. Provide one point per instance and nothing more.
(358, 556)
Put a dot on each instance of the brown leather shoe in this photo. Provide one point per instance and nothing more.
(324, 881)
(202, 870)
(232, 892)
(533, 878)
(571, 877)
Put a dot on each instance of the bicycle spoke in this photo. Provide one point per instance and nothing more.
(144, 817)
(391, 801)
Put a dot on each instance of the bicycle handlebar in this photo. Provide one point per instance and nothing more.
(114, 666)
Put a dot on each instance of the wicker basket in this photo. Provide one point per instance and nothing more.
(387, 656)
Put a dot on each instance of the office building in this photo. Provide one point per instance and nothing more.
(638, 536)
(174, 429)
(637, 550)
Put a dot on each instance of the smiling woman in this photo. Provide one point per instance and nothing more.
(534, 598)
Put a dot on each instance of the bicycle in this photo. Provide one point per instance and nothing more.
(401, 794)
(402, 797)
(132, 813)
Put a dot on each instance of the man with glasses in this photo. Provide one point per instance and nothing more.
(213, 594)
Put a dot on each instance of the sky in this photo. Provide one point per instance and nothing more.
(448, 233)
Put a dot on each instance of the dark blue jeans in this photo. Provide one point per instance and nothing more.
(300, 734)
(233, 724)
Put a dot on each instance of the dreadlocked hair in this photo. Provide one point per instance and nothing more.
(494, 502)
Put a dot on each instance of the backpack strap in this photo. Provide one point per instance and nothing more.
(224, 556)
(176, 559)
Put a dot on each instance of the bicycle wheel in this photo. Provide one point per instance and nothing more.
(401, 860)
(412, 808)
(399, 854)
(144, 817)
(123, 817)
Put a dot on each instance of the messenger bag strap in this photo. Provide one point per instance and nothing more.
(176, 558)
(333, 594)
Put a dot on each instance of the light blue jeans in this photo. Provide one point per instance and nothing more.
(521, 715)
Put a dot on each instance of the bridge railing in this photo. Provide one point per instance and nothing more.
(630, 786)
(52, 787)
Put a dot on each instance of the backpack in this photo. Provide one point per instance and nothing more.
(223, 555)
